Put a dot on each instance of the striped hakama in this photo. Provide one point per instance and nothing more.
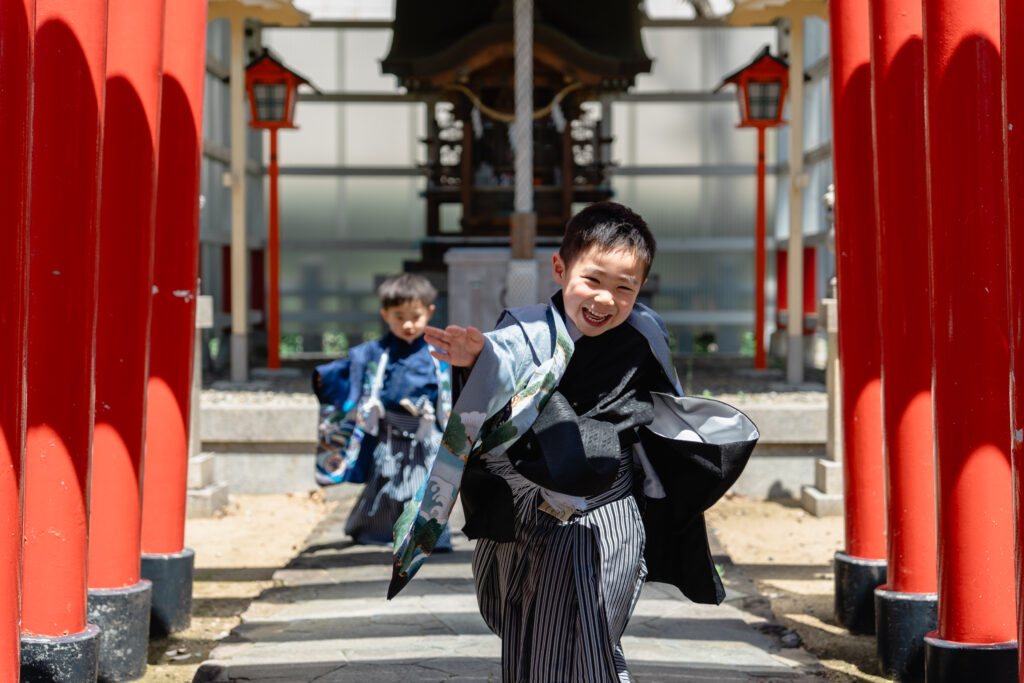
(560, 595)
(400, 465)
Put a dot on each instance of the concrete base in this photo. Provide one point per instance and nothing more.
(856, 581)
(60, 659)
(777, 471)
(825, 498)
(949, 662)
(902, 620)
(821, 504)
(200, 470)
(171, 575)
(122, 614)
(207, 501)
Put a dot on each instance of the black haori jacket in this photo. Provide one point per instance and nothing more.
(692, 451)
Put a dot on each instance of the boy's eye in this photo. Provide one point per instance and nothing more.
(589, 278)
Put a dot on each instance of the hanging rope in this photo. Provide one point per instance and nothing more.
(501, 116)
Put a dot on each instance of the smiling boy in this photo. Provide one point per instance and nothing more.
(548, 442)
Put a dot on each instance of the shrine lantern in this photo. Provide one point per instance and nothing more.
(273, 90)
(761, 93)
(760, 90)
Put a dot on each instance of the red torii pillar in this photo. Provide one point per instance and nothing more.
(16, 37)
(119, 600)
(905, 607)
(1013, 128)
(976, 632)
(860, 567)
(57, 644)
(165, 560)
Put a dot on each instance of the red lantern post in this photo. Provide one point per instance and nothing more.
(861, 566)
(976, 636)
(16, 38)
(273, 93)
(165, 560)
(119, 602)
(905, 607)
(761, 92)
(68, 88)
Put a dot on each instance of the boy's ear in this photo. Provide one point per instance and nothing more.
(558, 269)
(384, 314)
(430, 311)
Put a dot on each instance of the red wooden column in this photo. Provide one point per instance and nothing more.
(971, 365)
(165, 560)
(860, 567)
(905, 607)
(16, 37)
(68, 85)
(119, 600)
(1013, 120)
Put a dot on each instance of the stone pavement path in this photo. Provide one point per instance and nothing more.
(328, 621)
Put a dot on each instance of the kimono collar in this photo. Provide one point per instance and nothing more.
(399, 348)
(536, 321)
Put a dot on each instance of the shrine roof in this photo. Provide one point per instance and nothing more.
(599, 37)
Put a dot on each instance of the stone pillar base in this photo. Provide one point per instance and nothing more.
(122, 615)
(171, 575)
(60, 659)
(949, 662)
(902, 620)
(856, 581)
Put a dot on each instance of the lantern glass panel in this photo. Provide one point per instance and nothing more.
(270, 100)
(763, 100)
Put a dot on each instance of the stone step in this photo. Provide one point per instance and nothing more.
(821, 504)
(207, 501)
(200, 470)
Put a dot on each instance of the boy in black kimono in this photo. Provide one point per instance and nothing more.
(576, 393)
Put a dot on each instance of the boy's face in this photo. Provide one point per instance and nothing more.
(407, 319)
(600, 287)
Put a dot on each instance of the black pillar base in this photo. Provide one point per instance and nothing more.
(856, 581)
(171, 575)
(60, 659)
(902, 620)
(123, 617)
(949, 662)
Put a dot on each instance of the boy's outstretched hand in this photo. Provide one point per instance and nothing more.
(457, 346)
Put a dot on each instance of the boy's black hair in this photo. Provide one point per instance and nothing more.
(608, 226)
(398, 289)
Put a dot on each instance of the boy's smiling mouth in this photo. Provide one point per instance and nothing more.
(593, 318)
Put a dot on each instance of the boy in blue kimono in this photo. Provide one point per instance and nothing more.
(383, 410)
(583, 469)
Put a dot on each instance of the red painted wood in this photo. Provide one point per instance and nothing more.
(68, 92)
(127, 215)
(897, 71)
(175, 278)
(16, 38)
(759, 258)
(1013, 159)
(970, 387)
(856, 273)
(273, 262)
